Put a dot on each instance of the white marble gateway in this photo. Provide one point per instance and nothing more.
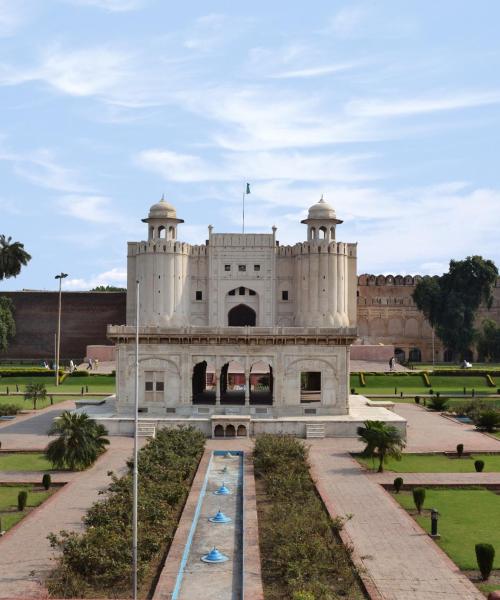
(239, 327)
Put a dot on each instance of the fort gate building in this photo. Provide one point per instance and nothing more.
(239, 335)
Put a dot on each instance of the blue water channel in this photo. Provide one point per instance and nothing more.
(223, 580)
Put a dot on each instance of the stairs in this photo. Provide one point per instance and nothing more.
(315, 431)
(146, 428)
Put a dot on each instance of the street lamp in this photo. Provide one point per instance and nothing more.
(61, 276)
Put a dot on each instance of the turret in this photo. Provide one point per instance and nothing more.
(162, 221)
(321, 222)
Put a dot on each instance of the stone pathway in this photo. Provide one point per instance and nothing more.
(397, 559)
(25, 553)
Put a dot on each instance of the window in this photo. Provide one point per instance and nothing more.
(160, 386)
(242, 267)
(154, 386)
(199, 295)
(284, 295)
(252, 292)
(256, 267)
(227, 267)
(310, 386)
(232, 293)
(241, 291)
(149, 386)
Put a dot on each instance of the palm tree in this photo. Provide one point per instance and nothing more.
(35, 391)
(80, 441)
(382, 441)
(13, 257)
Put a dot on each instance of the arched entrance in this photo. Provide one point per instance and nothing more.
(230, 431)
(242, 431)
(400, 355)
(203, 383)
(415, 355)
(218, 431)
(241, 315)
(261, 383)
(232, 383)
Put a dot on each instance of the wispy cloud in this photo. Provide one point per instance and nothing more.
(318, 71)
(110, 5)
(416, 105)
(116, 277)
(208, 32)
(12, 15)
(349, 20)
(95, 209)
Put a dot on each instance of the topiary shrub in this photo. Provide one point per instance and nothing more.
(419, 498)
(485, 555)
(46, 481)
(438, 403)
(417, 399)
(22, 499)
(303, 595)
(479, 466)
(460, 450)
(398, 484)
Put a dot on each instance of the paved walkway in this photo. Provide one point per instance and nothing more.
(25, 553)
(398, 560)
(428, 431)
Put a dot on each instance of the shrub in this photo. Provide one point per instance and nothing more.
(303, 596)
(479, 465)
(8, 410)
(460, 450)
(22, 499)
(46, 480)
(485, 555)
(419, 498)
(398, 484)
(417, 399)
(488, 420)
(438, 403)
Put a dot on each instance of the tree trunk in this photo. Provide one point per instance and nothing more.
(381, 464)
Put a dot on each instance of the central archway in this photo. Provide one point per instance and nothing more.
(241, 315)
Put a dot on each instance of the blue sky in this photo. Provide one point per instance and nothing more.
(390, 109)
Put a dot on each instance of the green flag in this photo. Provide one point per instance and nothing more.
(248, 189)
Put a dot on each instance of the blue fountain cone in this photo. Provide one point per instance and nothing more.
(220, 517)
(223, 490)
(214, 556)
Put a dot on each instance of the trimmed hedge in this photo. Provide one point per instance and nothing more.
(29, 372)
(7, 410)
(97, 562)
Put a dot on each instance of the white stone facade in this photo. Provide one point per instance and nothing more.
(240, 325)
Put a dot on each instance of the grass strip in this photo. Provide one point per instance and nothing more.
(302, 556)
(435, 463)
(24, 461)
(9, 513)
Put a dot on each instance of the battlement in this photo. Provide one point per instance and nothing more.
(318, 246)
(395, 280)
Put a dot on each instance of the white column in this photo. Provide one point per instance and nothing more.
(247, 387)
(217, 386)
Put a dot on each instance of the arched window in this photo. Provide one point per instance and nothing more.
(171, 232)
(241, 315)
(162, 232)
(230, 431)
(322, 233)
(242, 431)
(218, 431)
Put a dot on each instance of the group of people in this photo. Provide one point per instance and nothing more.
(92, 364)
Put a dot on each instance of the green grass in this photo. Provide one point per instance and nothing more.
(28, 404)
(453, 367)
(436, 463)
(8, 502)
(24, 461)
(467, 517)
(448, 384)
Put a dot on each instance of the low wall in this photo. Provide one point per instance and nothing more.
(101, 353)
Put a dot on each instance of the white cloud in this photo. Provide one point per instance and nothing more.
(95, 209)
(349, 20)
(111, 5)
(116, 277)
(414, 106)
(12, 16)
(318, 71)
(186, 168)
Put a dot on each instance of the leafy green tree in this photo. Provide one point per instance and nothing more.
(7, 323)
(35, 391)
(80, 441)
(488, 341)
(450, 302)
(382, 441)
(108, 288)
(13, 257)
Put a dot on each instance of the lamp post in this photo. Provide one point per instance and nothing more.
(136, 449)
(61, 276)
(434, 523)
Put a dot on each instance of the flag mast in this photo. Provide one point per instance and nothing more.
(247, 191)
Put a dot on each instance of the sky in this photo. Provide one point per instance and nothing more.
(389, 109)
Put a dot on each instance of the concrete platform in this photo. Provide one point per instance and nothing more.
(360, 410)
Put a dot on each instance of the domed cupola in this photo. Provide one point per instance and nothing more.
(162, 221)
(321, 222)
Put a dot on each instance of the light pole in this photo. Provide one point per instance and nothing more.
(61, 276)
(136, 449)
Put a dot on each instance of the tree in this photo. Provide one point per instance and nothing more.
(382, 441)
(108, 288)
(13, 257)
(488, 341)
(7, 323)
(450, 302)
(35, 391)
(80, 441)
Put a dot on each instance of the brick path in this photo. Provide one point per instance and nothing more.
(398, 560)
(25, 554)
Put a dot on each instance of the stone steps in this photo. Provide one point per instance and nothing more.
(315, 431)
(146, 428)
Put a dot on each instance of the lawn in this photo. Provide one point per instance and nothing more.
(8, 502)
(467, 517)
(449, 384)
(24, 461)
(71, 385)
(454, 367)
(436, 463)
(28, 404)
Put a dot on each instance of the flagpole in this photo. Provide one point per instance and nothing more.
(244, 194)
(136, 467)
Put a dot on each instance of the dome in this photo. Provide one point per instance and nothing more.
(321, 210)
(162, 210)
